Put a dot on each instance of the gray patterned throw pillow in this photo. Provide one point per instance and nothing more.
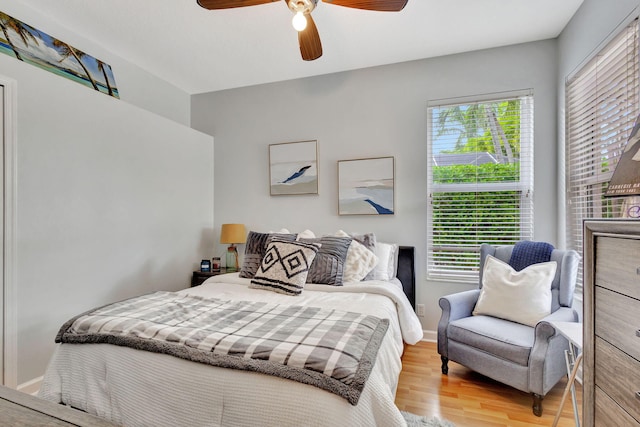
(285, 267)
(328, 266)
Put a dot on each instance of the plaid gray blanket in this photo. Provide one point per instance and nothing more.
(329, 349)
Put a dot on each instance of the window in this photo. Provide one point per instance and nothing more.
(480, 180)
(601, 107)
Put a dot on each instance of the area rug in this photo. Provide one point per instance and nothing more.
(414, 420)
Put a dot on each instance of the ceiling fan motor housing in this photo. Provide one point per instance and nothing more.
(304, 6)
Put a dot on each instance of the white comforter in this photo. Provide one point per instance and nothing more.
(137, 388)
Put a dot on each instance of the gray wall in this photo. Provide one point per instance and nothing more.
(372, 112)
(137, 86)
(112, 201)
(594, 22)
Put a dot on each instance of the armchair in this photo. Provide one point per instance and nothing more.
(530, 359)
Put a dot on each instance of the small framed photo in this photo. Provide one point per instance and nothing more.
(366, 186)
(293, 168)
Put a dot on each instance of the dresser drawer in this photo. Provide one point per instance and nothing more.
(609, 414)
(617, 319)
(618, 375)
(617, 265)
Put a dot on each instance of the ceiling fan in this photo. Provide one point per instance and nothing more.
(308, 37)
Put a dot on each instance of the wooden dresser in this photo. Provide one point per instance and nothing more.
(611, 369)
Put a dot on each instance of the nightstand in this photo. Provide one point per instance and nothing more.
(200, 276)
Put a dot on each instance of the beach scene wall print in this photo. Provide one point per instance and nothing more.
(293, 168)
(366, 186)
(34, 47)
(626, 175)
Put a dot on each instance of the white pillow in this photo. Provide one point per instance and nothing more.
(520, 296)
(386, 267)
(360, 260)
(306, 234)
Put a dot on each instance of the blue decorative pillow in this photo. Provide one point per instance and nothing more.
(526, 253)
(285, 267)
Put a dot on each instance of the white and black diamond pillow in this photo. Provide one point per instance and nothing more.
(285, 267)
(255, 249)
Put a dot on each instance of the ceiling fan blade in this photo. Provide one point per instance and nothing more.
(379, 5)
(230, 4)
(309, 40)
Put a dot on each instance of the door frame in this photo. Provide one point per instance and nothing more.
(8, 295)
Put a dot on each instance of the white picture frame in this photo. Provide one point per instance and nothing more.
(366, 186)
(293, 168)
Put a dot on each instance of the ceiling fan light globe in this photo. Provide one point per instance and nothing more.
(299, 21)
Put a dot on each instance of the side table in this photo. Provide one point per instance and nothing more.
(572, 331)
(200, 276)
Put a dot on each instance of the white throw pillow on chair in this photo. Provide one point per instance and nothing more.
(520, 296)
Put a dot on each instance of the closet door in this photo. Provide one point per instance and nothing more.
(2, 234)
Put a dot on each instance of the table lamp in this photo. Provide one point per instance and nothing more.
(233, 234)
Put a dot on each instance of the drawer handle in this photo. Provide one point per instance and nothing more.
(638, 333)
(638, 395)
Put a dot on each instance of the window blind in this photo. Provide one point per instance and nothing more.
(480, 180)
(601, 108)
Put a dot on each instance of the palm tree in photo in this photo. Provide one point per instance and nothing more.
(24, 31)
(66, 51)
(103, 67)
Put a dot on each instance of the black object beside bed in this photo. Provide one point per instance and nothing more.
(407, 273)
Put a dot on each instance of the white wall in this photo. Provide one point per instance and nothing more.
(372, 112)
(136, 86)
(112, 201)
(114, 197)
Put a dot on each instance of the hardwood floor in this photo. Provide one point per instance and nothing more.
(469, 399)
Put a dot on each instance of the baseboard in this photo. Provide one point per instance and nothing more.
(430, 336)
(31, 387)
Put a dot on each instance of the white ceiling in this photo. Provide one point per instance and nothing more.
(200, 50)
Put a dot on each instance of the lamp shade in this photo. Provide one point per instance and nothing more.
(233, 233)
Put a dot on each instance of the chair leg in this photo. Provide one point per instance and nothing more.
(537, 404)
(445, 365)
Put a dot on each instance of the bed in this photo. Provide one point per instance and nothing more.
(133, 387)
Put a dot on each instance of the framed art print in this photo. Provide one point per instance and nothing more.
(366, 186)
(33, 46)
(293, 168)
(626, 175)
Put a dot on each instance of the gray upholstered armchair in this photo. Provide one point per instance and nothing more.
(526, 358)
